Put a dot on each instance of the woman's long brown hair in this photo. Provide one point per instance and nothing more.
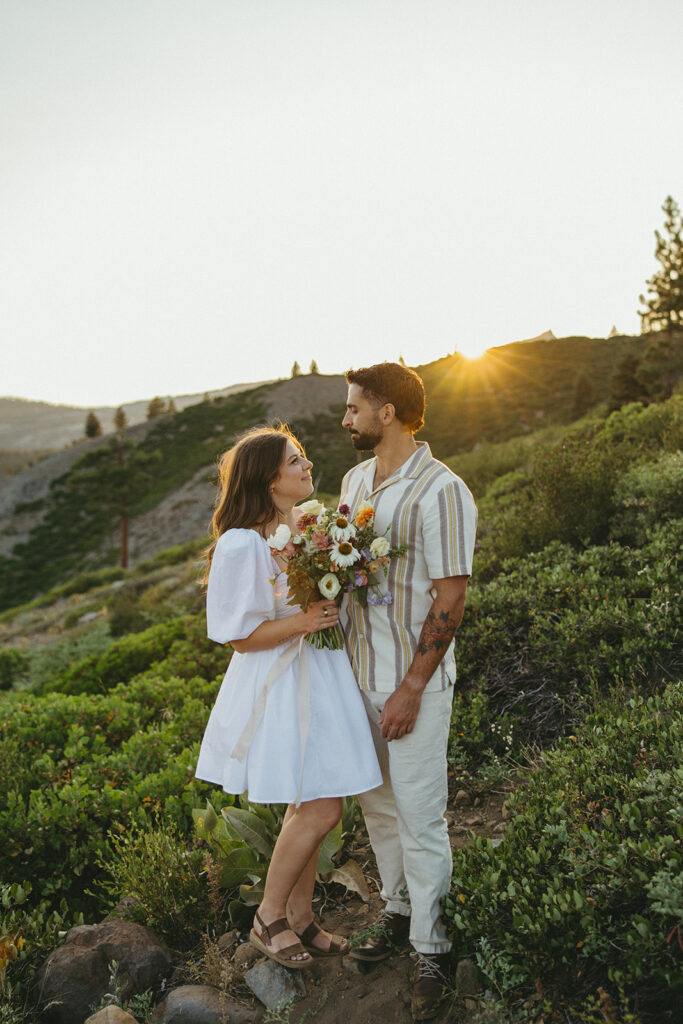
(245, 475)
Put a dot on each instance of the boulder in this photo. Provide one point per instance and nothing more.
(466, 979)
(274, 985)
(245, 956)
(201, 1004)
(76, 975)
(111, 1015)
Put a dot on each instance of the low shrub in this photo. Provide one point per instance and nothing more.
(27, 934)
(550, 627)
(13, 665)
(586, 888)
(646, 496)
(167, 882)
(121, 661)
(79, 767)
(570, 491)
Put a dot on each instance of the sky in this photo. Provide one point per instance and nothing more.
(196, 193)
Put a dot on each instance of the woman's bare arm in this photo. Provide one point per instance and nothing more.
(277, 631)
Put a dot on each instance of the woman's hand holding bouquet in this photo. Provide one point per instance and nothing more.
(333, 555)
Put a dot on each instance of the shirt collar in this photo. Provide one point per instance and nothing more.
(410, 469)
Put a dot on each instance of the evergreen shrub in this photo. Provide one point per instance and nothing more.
(122, 660)
(540, 636)
(646, 496)
(586, 888)
(78, 767)
(13, 665)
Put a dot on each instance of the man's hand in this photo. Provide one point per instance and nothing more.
(400, 712)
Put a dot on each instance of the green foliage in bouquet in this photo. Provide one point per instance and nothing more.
(586, 887)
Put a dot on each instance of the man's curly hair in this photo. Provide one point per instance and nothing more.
(394, 383)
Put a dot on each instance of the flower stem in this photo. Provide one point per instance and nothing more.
(330, 639)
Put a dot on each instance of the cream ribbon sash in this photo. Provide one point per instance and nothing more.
(303, 693)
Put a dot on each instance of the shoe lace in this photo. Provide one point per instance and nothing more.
(427, 966)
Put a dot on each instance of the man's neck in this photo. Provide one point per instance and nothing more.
(392, 453)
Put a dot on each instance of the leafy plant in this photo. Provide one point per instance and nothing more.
(582, 890)
(162, 878)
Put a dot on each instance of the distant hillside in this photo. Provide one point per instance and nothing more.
(27, 425)
(51, 527)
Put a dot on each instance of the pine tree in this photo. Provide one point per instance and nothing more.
(583, 395)
(110, 479)
(157, 407)
(93, 427)
(171, 406)
(664, 303)
(625, 386)
(313, 367)
(296, 369)
(120, 419)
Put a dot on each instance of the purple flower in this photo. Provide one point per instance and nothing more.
(344, 510)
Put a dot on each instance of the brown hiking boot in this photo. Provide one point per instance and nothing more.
(389, 931)
(428, 984)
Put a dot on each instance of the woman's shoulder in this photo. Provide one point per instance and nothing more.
(241, 542)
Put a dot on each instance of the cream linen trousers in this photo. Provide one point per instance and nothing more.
(405, 818)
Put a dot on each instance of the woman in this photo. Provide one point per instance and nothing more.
(289, 724)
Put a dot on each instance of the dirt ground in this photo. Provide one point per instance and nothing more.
(346, 991)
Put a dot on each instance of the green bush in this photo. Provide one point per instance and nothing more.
(572, 491)
(647, 496)
(122, 660)
(539, 636)
(13, 665)
(78, 767)
(165, 880)
(586, 888)
(27, 934)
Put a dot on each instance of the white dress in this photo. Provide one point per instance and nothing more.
(312, 739)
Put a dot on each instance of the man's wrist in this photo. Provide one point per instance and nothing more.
(414, 684)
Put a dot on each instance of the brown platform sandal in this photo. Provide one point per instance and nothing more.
(282, 956)
(338, 944)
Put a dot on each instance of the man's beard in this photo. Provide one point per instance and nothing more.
(367, 441)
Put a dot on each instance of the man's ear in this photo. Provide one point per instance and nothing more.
(388, 413)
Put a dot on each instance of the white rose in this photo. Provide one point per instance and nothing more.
(329, 585)
(280, 538)
(380, 546)
(313, 507)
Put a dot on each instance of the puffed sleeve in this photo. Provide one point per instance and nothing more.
(240, 595)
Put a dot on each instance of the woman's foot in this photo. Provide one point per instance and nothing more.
(318, 942)
(275, 941)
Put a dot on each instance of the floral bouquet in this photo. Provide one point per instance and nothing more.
(333, 555)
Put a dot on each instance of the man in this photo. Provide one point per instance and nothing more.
(402, 655)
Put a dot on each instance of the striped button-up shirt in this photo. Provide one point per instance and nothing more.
(426, 506)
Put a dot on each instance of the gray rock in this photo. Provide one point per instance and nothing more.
(462, 797)
(111, 1015)
(466, 979)
(274, 985)
(201, 1004)
(75, 976)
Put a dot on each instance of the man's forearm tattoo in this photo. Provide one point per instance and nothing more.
(437, 632)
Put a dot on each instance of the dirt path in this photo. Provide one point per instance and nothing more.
(345, 991)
